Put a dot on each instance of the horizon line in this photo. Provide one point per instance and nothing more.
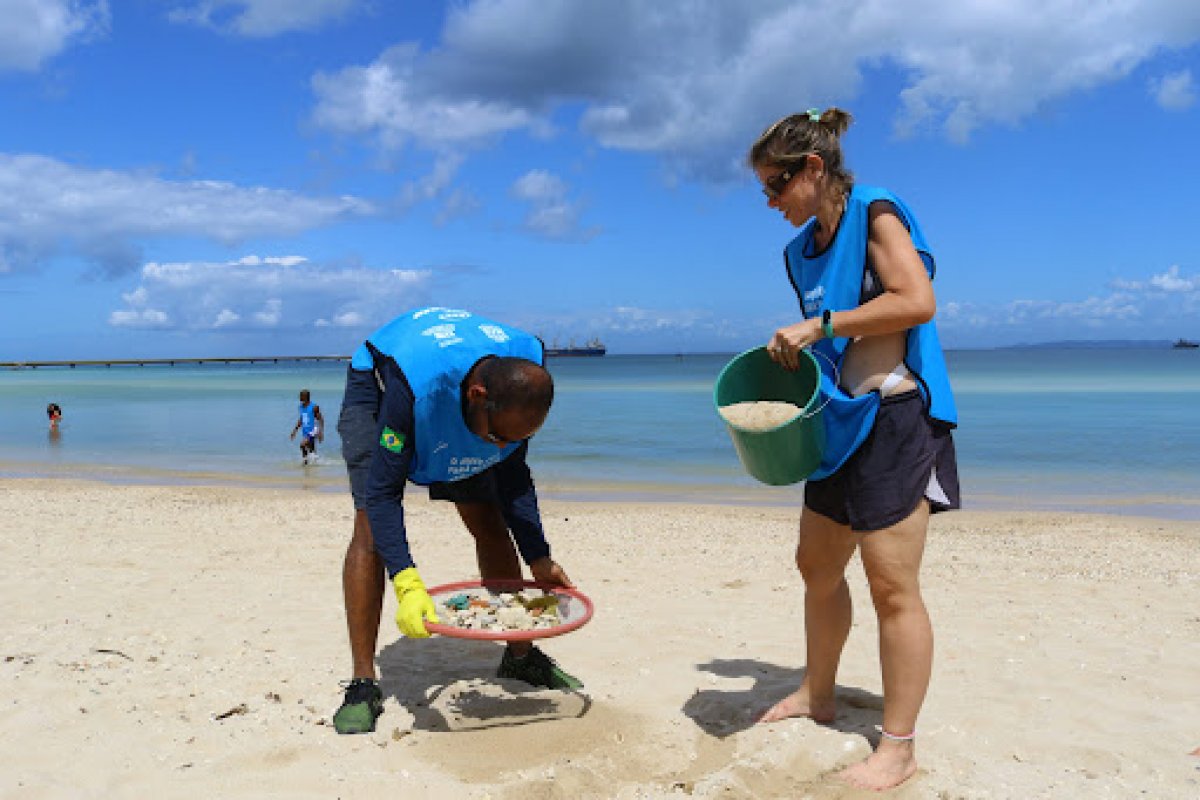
(192, 360)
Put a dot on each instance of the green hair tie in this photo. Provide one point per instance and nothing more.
(814, 114)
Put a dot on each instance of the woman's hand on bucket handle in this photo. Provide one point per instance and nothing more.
(785, 346)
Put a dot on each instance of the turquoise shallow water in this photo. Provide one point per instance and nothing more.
(1078, 429)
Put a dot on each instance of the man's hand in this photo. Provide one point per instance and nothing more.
(416, 605)
(546, 570)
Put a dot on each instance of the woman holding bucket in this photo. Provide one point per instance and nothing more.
(862, 273)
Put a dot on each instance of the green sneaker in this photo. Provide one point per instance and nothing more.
(360, 709)
(538, 669)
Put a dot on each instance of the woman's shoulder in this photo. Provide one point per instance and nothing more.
(876, 201)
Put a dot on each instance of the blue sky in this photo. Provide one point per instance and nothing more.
(246, 177)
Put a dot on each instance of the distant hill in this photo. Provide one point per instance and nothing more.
(1098, 344)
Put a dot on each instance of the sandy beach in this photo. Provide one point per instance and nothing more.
(187, 642)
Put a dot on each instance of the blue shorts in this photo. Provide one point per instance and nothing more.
(907, 457)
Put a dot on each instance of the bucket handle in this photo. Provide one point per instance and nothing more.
(837, 380)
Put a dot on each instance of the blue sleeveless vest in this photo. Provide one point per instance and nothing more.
(308, 419)
(833, 280)
(435, 348)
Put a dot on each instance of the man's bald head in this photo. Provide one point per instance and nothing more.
(517, 383)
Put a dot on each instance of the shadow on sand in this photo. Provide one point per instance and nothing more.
(451, 685)
(722, 713)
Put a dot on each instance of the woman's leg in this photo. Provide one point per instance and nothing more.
(892, 560)
(822, 553)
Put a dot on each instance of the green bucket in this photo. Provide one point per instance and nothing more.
(790, 452)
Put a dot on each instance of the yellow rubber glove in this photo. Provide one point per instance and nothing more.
(416, 605)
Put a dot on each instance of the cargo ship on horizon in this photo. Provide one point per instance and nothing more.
(594, 347)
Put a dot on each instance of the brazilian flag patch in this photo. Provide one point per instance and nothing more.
(390, 440)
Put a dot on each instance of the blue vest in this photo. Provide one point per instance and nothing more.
(308, 419)
(833, 280)
(435, 348)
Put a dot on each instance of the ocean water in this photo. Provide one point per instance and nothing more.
(1109, 430)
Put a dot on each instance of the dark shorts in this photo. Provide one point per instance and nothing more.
(359, 430)
(480, 488)
(906, 457)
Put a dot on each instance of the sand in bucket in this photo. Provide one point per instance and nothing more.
(773, 415)
(759, 415)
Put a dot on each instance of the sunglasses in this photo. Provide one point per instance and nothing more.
(491, 434)
(777, 184)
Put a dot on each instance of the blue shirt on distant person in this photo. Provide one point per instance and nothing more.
(308, 420)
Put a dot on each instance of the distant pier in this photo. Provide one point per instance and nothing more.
(166, 362)
(591, 350)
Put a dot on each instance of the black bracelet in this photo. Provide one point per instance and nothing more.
(827, 324)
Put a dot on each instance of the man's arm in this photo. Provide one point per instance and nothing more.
(320, 423)
(391, 464)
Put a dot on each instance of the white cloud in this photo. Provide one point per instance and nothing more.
(640, 329)
(349, 319)
(445, 166)
(578, 325)
(385, 99)
(1161, 306)
(1172, 281)
(268, 293)
(33, 31)
(1174, 92)
(48, 206)
(282, 261)
(965, 315)
(551, 213)
(137, 298)
(538, 185)
(1093, 311)
(270, 315)
(144, 318)
(226, 317)
(697, 82)
(458, 203)
(641, 320)
(262, 18)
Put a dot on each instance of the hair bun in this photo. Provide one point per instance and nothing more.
(836, 120)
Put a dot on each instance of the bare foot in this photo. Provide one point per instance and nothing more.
(798, 704)
(890, 765)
